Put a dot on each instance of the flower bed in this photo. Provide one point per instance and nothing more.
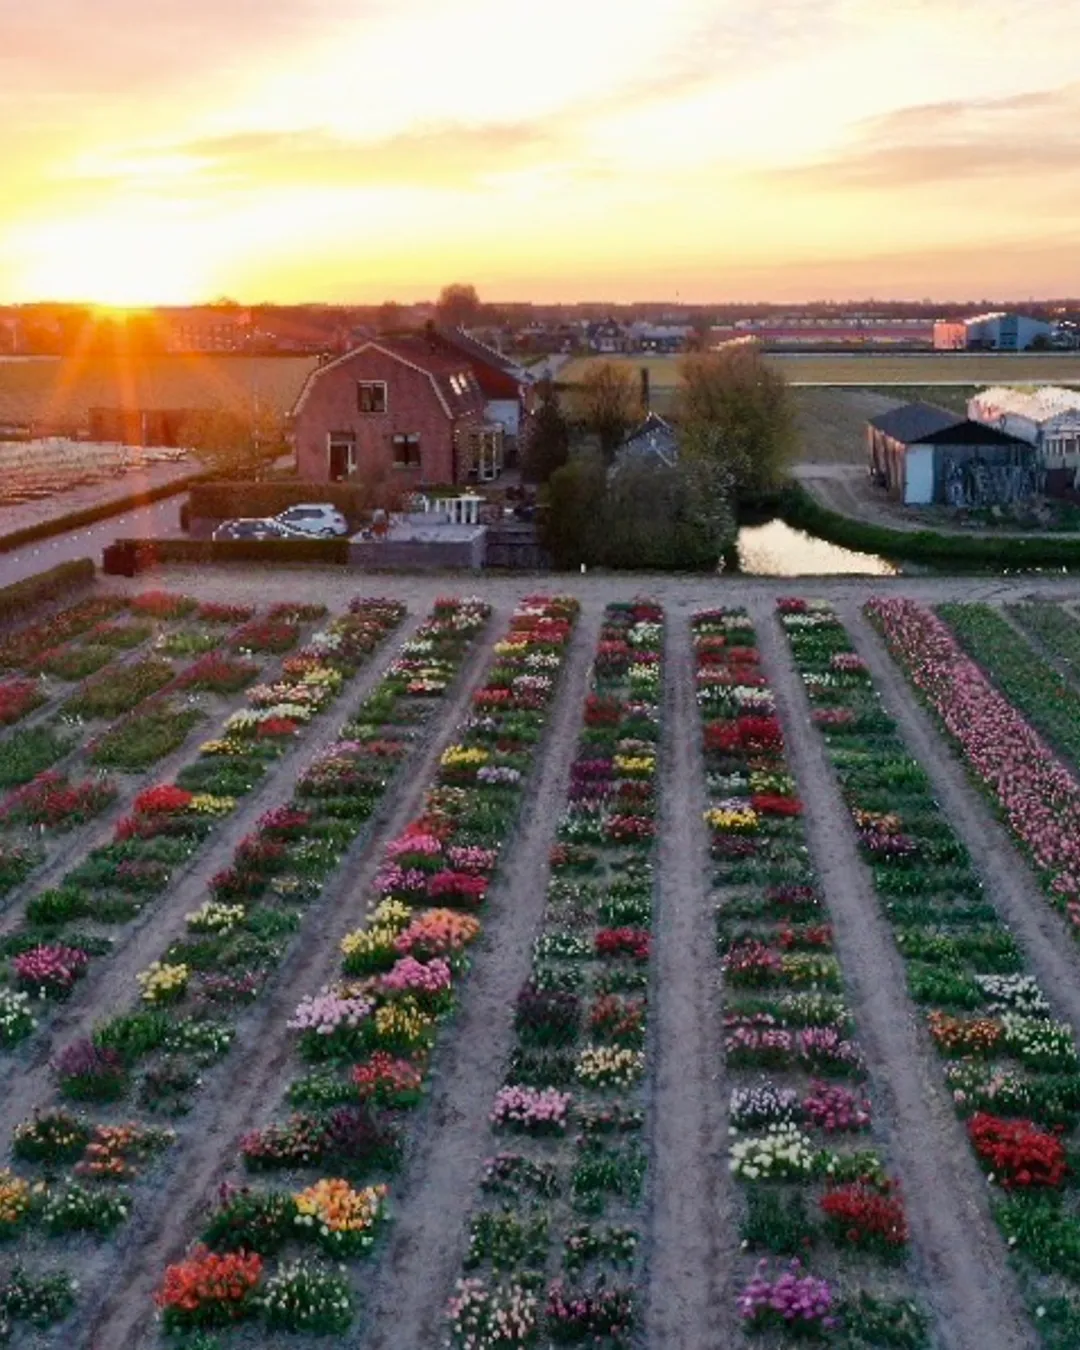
(1053, 627)
(368, 1042)
(1012, 1072)
(822, 1222)
(182, 1020)
(555, 1234)
(18, 650)
(1037, 797)
(170, 824)
(18, 698)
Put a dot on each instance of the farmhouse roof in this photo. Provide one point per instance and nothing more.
(653, 437)
(913, 422)
(451, 377)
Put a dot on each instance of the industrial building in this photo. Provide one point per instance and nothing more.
(924, 455)
(996, 332)
(1046, 418)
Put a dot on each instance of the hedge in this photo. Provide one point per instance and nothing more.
(139, 554)
(90, 515)
(225, 500)
(803, 512)
(20, 596)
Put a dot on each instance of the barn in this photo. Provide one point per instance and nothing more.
(924, 455)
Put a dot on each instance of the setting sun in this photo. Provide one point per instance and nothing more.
(119, 261)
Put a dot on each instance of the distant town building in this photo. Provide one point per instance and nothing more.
(398, 411)
(205, 328)
(607, 338)
(1047, 418)
(996, 332)
(922, 454)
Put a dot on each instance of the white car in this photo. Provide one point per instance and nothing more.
(317, 518)
(256, 527)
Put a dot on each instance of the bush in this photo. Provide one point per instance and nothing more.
(35, 591)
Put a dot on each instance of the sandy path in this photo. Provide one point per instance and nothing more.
(427, 1241)
(962, 1261)
(692, 1237)
(1010, 885)
(109, 987)
(236, 1102)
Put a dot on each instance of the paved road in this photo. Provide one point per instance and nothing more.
(158, 520)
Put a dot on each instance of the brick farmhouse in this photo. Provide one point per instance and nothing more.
(401, 411)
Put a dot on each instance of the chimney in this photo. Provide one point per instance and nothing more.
(645, 389)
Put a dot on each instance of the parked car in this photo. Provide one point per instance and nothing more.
(318, 518)
(256, 527)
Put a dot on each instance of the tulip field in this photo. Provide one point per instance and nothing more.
(654, 964)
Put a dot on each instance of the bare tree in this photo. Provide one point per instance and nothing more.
(232, 444)
(610, 402)
(458, 305)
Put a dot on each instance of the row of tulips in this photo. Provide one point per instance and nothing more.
(67, 926)
(554, 1238)
(1055, 629)
(1035, 794)
(364, 1043)
(1028, 681)
(1011, 1069)
(822, 1221)
(185, 1015)
(155, 707)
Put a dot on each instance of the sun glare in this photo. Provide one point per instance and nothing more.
(116, 261)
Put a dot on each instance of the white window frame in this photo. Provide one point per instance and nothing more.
(346, 438)
(373, 384)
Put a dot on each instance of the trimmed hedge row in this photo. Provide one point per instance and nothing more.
(27, 594)
(126, 557)
(800, 510)
(75, 520)
(227, 500)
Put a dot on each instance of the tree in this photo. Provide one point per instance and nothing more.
(610, 402)
(570, 527)
(548, 443)
(458, 306)
(389, 316)
(234, 445)
(664, 517)
(732, 408)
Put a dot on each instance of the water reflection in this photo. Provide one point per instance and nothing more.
(776, 550)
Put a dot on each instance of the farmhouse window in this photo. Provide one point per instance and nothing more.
(371, 396)
(407, 450)
(341, 455)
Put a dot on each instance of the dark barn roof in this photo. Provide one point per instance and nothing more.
(914, 421)
(974, 433)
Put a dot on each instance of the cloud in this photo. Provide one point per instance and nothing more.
(1028, 134)
(436, 156)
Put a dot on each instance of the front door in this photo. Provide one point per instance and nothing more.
(339, 461)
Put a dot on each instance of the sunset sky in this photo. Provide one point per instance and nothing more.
(356, 150)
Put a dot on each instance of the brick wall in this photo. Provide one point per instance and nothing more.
(412, 408)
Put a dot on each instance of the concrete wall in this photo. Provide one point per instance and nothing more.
(414, 556)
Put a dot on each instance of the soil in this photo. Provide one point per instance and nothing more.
(428, 1239)
(690, 1242)
(234, 1103)
(25, 1078)
(961, 1258)
(692, 1238)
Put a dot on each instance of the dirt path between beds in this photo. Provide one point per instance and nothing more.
(1010, 885)
(960, 1257)
(692, 1238)
(238, 1102)
(109, 987)
(427, 1242)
